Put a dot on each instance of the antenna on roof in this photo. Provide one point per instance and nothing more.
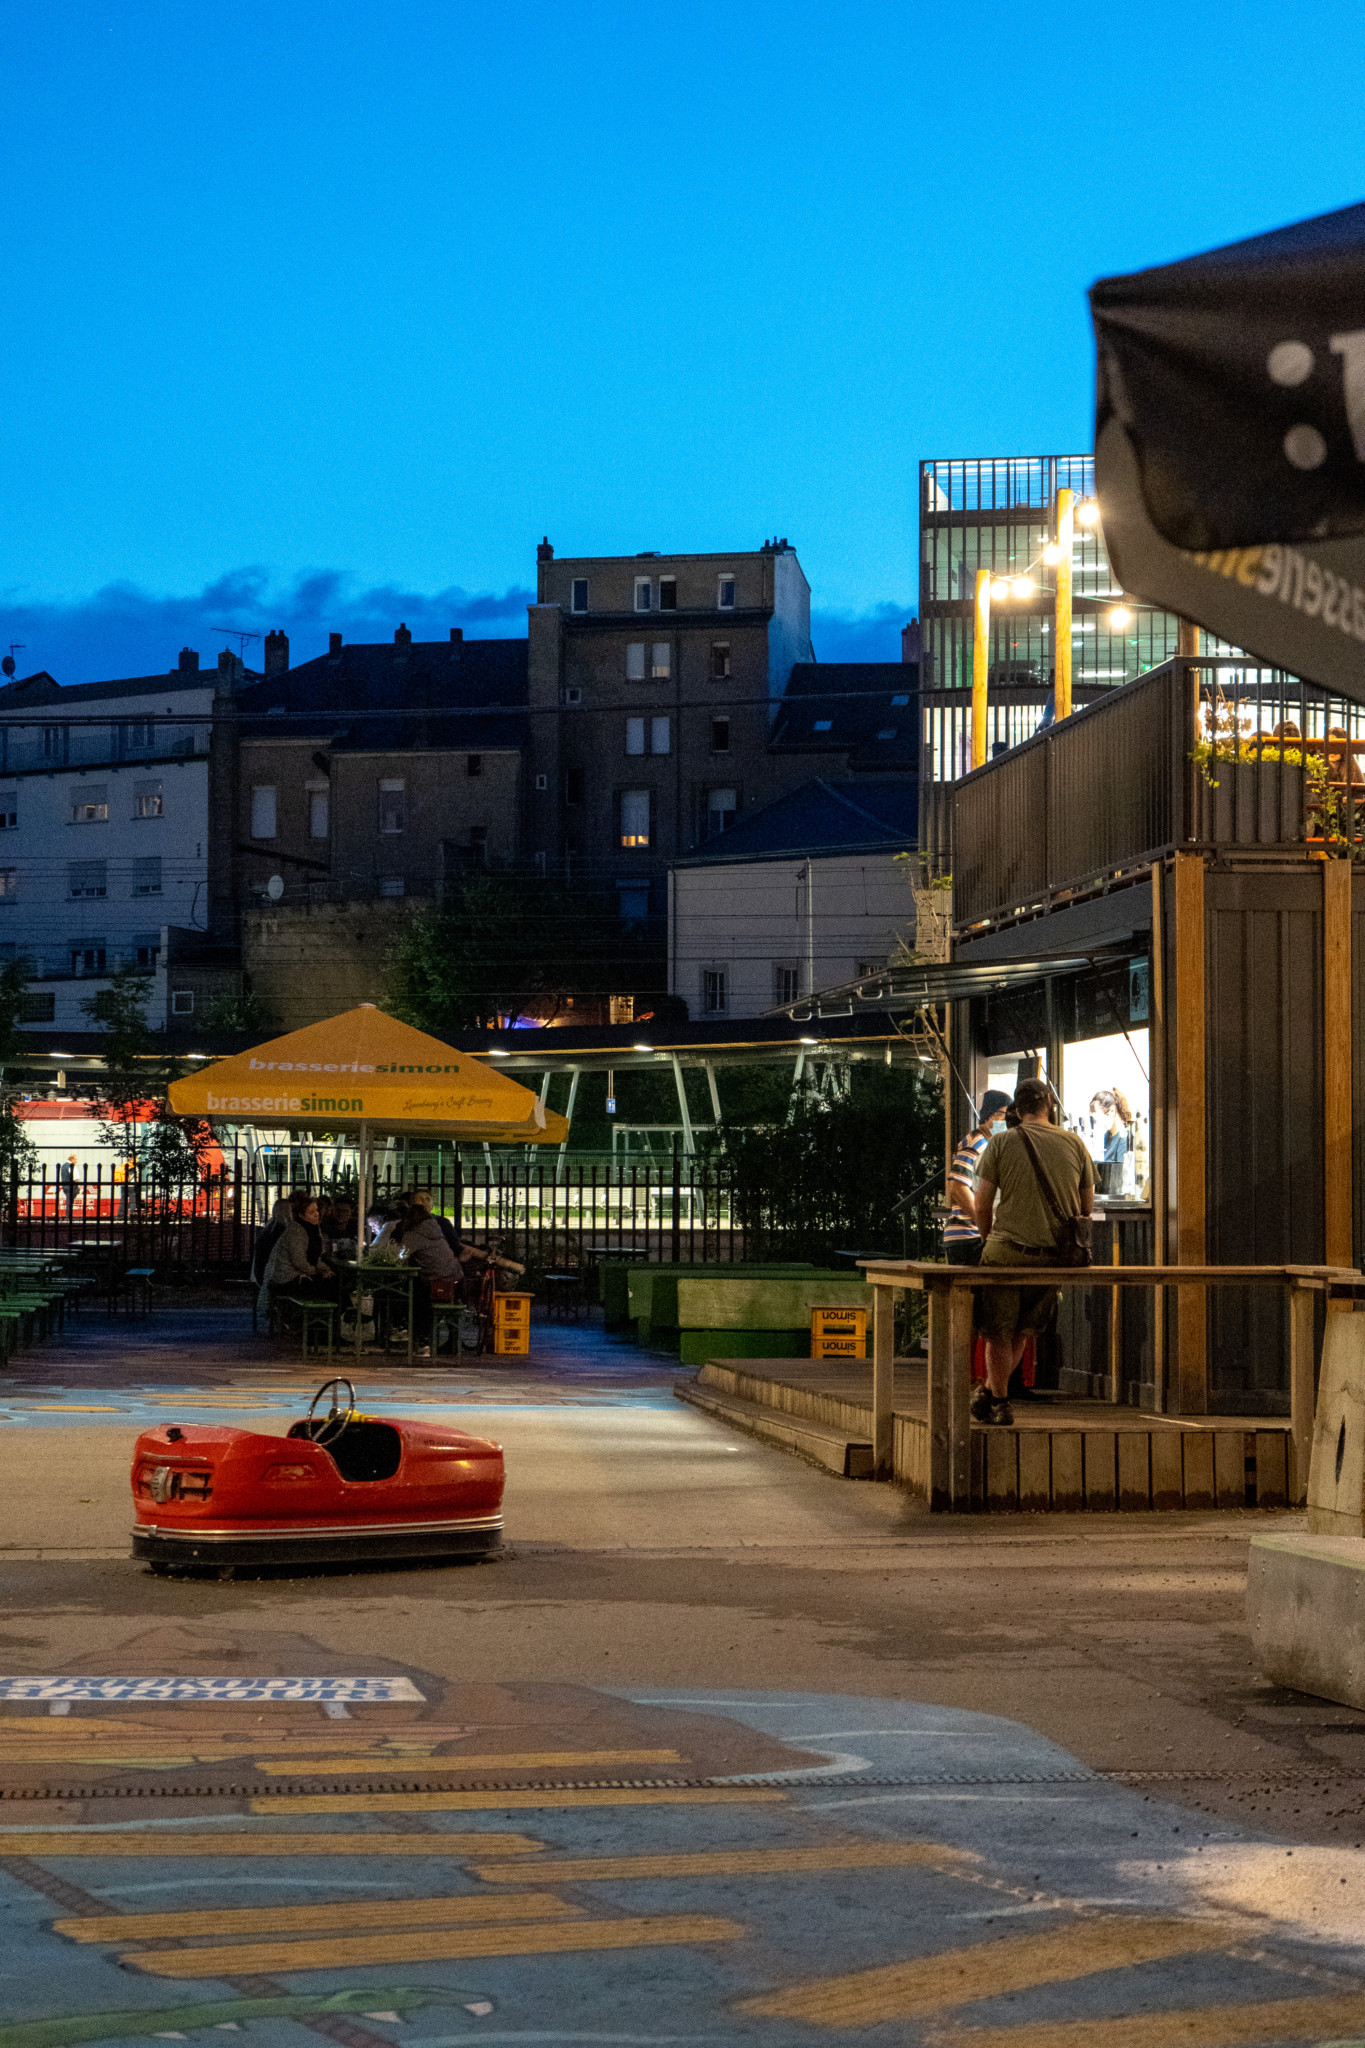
(15, 647)
(236, 633)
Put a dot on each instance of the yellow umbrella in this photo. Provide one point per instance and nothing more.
(365, 1070)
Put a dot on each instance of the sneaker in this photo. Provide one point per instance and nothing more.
(981, 1402)
(1001, 1413)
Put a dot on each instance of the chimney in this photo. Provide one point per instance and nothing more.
(276, 654)
(910, 641)
(402, 639)
(189, 662)
(456, 635)
(545, 553)
(230, 670)
(334, 644)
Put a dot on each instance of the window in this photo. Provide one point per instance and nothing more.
(888, 732)
(147, 800)
(635, 735)
(54, 742)
(88, 957)
(720, 811)
(786, 981)
(725, 593)
(90, 805)
(478, 835)
(658, 735)
(391, 885)
(9, 884)
(668, 593)
(578, 601)
(147, 949)
(542, 782)
(633, 898)
(319, 810)
(87, 878)
(9, 809)
(393, 804)
(643, 593)
(635, 817)
(715, 992)
(661, 667)
(656, 730)
(900, 700)
(182, 1002)
(136, 737)
(866, 967)
(822, 725)
(720, 735)
(147, 877)
(720, 661)
(473, 764)
(635, 661)
(39, 1008)
(263, 811)
(573, 695)
(573, 785)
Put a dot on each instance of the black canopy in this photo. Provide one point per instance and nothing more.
(1230, 442)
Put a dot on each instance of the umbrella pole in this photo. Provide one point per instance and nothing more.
(362, 1203)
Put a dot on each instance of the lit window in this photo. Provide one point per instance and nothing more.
(182, 1002)
(393, 804)
(720, 735)
(87, 878)
(263, 811)
(661, 667)
(89, 806)
(635, 735)
(725, 594)
(721, 806)
(644, 590)
(668, 593)
(715, 992)
(821, 725)
(720, 661)
(635, 817)
(899, 700)
(658, 735)
(147, 800)
(635, 661)
(147, 876)
(319, 810)
(579, 599)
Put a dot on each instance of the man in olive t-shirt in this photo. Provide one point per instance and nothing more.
(1021, 1231)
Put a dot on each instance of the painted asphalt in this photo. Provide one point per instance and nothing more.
(942, 1877)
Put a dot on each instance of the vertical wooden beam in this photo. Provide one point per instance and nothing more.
(1115, 1323)
(1158, 1131)
(1300, 1391)
(1190, 1379)
(1338, 1222)
(883, 1380)
(950, 1388)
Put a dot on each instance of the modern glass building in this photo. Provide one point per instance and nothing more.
(997, 513)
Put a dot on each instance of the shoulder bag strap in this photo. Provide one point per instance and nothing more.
(1044, 1186)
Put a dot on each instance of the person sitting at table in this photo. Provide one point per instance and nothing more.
(339, 1230)
(269, 1238)
(295, 1269)
(424, 1244)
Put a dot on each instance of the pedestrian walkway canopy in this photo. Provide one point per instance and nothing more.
(366, 1071)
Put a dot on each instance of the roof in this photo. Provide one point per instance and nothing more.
(360, 693)
(822, 817)
(865, 709)
(41, 688)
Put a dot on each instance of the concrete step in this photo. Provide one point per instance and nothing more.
(838, 1452)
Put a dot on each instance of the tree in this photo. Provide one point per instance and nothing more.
(137, 1074)
(17, 1151)
(238, 1016)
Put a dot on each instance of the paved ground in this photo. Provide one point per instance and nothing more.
(1019, 1785)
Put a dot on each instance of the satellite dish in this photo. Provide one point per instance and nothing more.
(8, 664)
(274, 888)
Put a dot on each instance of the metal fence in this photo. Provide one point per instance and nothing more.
(1195, 753)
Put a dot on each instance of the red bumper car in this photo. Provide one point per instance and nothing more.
(340, 1487)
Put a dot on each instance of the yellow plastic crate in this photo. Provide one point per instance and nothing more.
(511, 1342)
(838, 1347)
(838, 1332)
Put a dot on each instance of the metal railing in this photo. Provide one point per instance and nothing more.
(1195, 753)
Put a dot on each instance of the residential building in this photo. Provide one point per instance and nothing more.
(105, 830)
(810, 892)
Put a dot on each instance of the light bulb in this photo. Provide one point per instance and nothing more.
(1000, 590)
(1024, 588)
(1052, 554)
(1120, 617)
(1088, 512)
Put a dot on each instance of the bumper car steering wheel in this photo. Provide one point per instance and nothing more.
(330, 1428)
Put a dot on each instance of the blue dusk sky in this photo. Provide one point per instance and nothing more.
(322, 315)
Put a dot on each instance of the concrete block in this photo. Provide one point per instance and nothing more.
(1306, 1614)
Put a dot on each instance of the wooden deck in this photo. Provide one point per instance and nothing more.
(1059, 1455)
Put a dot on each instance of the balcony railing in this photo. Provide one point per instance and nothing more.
(1195, 753)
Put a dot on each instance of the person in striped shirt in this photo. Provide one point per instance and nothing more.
(961, 1239)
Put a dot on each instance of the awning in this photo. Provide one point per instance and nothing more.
(944, 981)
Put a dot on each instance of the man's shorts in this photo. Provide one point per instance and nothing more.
(1014, 1311)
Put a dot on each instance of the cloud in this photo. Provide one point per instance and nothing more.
(862, 636)
(124, 631)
